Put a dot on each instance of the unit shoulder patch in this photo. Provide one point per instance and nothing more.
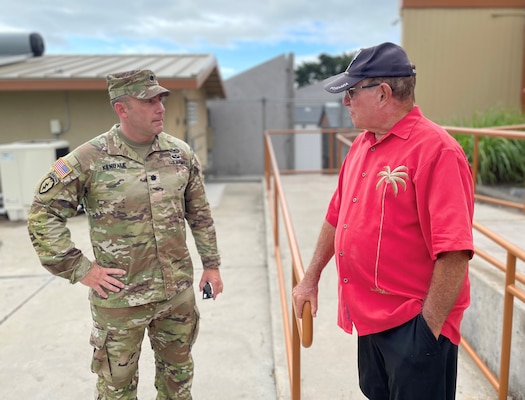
(47, 184)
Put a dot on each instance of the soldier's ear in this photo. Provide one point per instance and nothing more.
(121, 108)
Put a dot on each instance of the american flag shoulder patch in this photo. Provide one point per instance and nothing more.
(62, 168)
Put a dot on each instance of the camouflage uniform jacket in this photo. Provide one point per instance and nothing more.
(137, 211)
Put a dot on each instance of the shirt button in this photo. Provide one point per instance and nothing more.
(372, 148)
(341, 253)
(363, 174)
(354, 200)
(345, 280)
(345, 226)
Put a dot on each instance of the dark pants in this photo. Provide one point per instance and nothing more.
(407, 363)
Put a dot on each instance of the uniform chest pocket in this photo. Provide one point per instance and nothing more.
(116, 189)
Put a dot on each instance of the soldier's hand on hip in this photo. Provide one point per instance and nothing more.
(101, 279)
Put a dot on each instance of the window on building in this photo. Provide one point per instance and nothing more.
(192, 112)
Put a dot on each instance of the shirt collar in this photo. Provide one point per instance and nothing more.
(403, 127)
(116, 146)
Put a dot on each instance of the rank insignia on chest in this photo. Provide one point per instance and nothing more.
(62, 168)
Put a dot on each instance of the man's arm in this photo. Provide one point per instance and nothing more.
(200, 221)
(52, 242)
(449, 273)
(307, 289)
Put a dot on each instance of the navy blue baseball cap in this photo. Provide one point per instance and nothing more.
(384, 60)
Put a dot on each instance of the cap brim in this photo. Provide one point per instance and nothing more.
(152, 91)
(341, 83)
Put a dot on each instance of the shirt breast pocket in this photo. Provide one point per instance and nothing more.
(117, 190)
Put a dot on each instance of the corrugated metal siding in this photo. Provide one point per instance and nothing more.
(467, 60)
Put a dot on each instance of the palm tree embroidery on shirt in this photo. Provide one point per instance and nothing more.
(388, 178)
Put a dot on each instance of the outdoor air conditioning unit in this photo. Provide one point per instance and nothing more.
(22, 164)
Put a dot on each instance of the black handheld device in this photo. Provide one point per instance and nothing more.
(207, 292)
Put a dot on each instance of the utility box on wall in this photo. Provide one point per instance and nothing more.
(22, 164)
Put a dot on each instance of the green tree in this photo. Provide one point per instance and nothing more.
(326, 66)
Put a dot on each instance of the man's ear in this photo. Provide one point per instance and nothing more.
(386, 91)
(120, 108)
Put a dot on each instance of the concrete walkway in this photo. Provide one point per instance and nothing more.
(240, 353)
(45, 322)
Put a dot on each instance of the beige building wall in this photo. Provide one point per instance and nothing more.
(468, 60)
(27, 115)
(85, 114)
(196, 125)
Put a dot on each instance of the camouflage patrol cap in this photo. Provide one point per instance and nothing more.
(140, 84)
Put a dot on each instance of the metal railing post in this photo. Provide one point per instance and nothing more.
(506, 333)
(301, 329)
(296, 353)
(475, 161)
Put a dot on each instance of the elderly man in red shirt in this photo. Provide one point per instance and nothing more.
(400, 226)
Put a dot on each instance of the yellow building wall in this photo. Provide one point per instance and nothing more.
(27, 115)
(177, 124)
(175, 115)
(196, 130)
(468, 60)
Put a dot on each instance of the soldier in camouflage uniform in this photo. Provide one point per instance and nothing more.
(138, 187)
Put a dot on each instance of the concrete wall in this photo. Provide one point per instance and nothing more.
(256, 100)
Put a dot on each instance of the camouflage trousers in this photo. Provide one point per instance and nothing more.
(117, 337)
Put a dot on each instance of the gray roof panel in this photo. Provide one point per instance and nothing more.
(195, 69)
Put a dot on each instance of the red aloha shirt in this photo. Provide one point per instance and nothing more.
(400, 202)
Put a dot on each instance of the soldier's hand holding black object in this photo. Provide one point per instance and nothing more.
(213, 276)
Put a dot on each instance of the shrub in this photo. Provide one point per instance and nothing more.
(501, 161)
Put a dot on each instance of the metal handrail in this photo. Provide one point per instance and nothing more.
(513, 253)
(511, 292)
(504, 132)
(302, 329)
(334, 154)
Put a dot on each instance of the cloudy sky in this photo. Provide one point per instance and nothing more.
(241, 34)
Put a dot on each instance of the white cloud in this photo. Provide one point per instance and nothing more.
(192, 22)
(303, 27)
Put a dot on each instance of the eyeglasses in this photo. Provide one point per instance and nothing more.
(351, 92)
